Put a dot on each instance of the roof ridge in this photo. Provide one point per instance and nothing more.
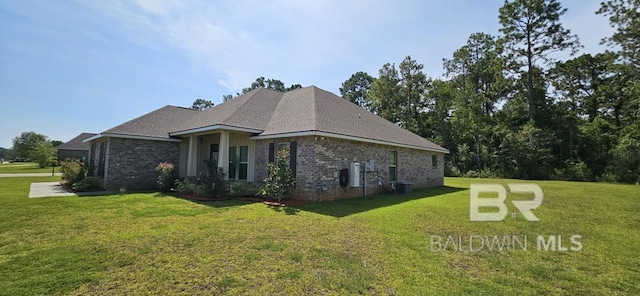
(249, 96)
(314, 89)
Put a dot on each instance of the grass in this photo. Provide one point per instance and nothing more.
(23, 167)
(148, 243)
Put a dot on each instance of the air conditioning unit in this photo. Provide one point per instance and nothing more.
(354, 174)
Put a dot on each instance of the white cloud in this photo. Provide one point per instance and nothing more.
(294, 40)
(242, 40)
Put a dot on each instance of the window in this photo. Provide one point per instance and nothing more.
(244, 162)
(238, 162)
(282, 146)
(233, 161)
(392, 166)
(101, 160)
(213, 152)
(434, 161)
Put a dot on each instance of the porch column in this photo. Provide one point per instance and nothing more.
(192, 157)
(223, 153)
(251, 167)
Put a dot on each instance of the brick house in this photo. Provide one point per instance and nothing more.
(326, 135)
(75, 148)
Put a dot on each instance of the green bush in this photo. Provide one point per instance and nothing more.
(573, 171)
(186, 186)
(213, 178)
(166, 176)
(73, 171)
(245, 188)
(82, 185)
(279, 177)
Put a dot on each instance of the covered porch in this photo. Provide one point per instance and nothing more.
(234, 151)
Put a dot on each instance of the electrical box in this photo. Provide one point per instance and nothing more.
(354, 174)
(369, 165)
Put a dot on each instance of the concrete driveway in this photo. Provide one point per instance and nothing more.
(43, 189)
(54, 189)
(28, 175)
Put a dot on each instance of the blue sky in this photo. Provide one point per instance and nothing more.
(69, 66)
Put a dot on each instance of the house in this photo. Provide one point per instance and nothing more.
(75, 148)
(325, 133)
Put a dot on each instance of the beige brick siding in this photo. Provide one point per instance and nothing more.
(319, 160)
(131, 163)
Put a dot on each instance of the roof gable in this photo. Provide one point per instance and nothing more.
(252, 110)
(312, 109)
(156, 124)
(77, 143)
(273, 114)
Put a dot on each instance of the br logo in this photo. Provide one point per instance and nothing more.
(524, 206)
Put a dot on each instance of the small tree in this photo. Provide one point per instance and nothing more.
(43, 153)
(166, 176)
(279, 177)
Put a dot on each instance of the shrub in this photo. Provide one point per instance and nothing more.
(213, 178)
(245, 188)
(186, 186)
(73, 171)
(279, 177)
(166, 176)
(82, 185)
(573, 171)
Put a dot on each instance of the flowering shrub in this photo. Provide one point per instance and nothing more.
(73, 171)
(166, 176)
(279, 177)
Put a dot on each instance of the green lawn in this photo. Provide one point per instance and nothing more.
(23, 167)
(148, 243)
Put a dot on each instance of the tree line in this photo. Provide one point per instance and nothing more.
(32, 146)
(507, 109)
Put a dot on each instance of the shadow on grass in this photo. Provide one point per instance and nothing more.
(346, 207)
(287, 210)
(211, 202)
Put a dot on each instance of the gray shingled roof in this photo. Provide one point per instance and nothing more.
(156, 124)
(77, 143)
(271, 113)
(314, 109)
(252, 110)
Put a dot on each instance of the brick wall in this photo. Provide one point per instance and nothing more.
(319, 160)
(131, 163)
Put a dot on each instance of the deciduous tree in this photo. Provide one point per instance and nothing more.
(25, 143)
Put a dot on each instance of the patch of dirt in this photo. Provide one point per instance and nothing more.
(286, 203)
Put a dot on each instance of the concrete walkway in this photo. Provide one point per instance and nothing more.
(54, 189)
(28, 175)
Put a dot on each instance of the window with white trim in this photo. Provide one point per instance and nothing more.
(238, 162)
(393, 159)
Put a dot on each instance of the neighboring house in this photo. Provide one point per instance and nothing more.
(76, 148)
(324, 132)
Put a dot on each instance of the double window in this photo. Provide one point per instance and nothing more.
(238, 162)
